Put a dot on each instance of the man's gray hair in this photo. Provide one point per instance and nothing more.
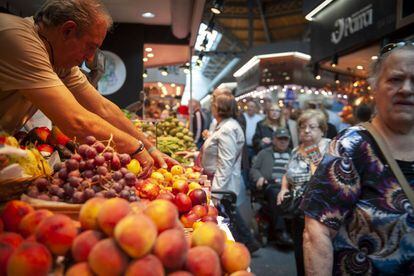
(376, 66)
(85, 13)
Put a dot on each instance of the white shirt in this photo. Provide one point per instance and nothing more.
(251, 123)
(222, 155)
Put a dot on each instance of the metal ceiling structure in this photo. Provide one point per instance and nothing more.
(248, 23)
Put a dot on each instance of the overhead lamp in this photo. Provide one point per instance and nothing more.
(148, 49)
(334, 62)
(164, 71)
(148, 15)
(337, 79)
(210, 26)
(150, 55)
(172, 84)
(360, 67)
(217, 7)
(186, 68)
(199, 61)
(374, 57)
(145, 74)
(316, 74)
(204, 44)
(145, 59)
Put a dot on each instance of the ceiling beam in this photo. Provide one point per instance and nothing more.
(276, 28)
(250, 17)
(257, 16)
(264, 21)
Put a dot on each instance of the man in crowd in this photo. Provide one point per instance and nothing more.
(39, 70)
(249, 121)
(267, 171)
(197, 122)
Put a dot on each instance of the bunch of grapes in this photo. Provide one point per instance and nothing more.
(93, 171)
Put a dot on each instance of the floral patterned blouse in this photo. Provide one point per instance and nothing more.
(355, 192)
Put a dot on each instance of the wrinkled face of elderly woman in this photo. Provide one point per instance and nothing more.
(394, 93)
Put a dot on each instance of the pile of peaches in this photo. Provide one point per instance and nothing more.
(115, 237)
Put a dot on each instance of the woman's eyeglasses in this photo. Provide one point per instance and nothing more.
(311, 127)
(391, 46)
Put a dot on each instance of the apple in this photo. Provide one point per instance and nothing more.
(209, 218)
(180, 186)
(200, 210)
(183, 202)
(148, 189)
(198, 197)
(188, 219)
(212, 211)
(166, 195)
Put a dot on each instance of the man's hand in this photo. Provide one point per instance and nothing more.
(281, 195)
(188, 154)
(146, 162)
(162, 159)
(266, 140)
(260, 182)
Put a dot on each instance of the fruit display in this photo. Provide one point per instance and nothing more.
(95, 170)
(170, 136)
(16, 162)
(106, 242)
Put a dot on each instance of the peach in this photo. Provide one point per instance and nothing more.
(189, 219)
(6, 251)
(212, 211)
(136, 235)
(57, 233)
(138, 207)
(11, 238)
(200, 210)
(171, 248)
(242, 273)
(112, 211)
(148, 266)
(13, 213)
(30, 258)
(83, 244)
(88, 215)
(235, 257)
(30, 221)
(209, 234)
(202, 260)
(106, 258)
(79, 269)
(180, 273)
(163, 213)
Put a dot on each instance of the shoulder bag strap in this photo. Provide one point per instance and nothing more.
(409, 192)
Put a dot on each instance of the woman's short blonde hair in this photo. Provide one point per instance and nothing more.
(314, 113)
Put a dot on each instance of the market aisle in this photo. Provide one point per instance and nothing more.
(270, 261)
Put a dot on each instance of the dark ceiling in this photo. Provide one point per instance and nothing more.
(248, 23)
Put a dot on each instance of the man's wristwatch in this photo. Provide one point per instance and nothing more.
(139, 149)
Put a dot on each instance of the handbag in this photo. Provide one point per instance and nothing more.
(289, 208)
(409, 192)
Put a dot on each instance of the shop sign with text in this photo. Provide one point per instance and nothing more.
(348, 23)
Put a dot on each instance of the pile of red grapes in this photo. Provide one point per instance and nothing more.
(93, 171)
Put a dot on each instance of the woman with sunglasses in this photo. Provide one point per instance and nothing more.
(358, 220)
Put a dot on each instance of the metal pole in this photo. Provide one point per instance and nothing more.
(190, 109)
